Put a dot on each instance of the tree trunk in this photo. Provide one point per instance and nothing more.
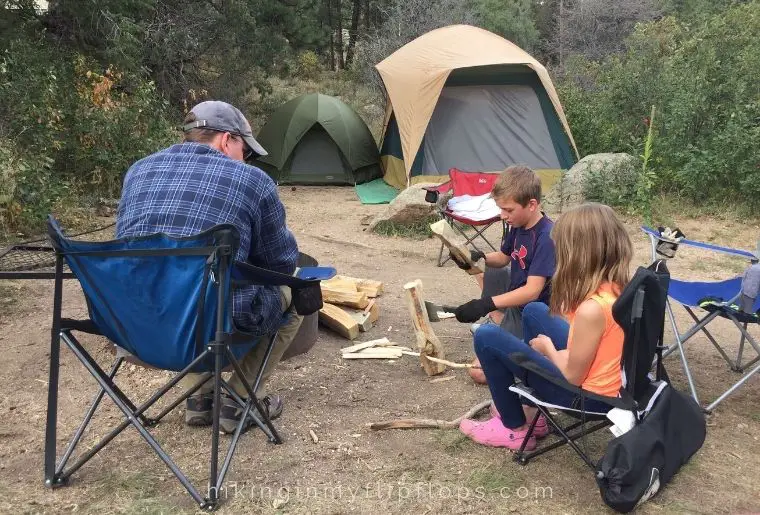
(332, 35)
(339, 16)
(353, 33)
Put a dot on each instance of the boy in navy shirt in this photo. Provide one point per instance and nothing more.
(520, 273)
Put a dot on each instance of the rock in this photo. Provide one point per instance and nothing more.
(408, 207)
(619, 169)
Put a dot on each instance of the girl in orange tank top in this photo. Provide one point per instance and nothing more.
(575, 337)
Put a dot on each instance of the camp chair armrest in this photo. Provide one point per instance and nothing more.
(654, 233)
(523, 361)
(245, 274)
(84, 326)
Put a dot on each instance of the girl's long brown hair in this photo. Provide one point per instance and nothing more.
(592, 247)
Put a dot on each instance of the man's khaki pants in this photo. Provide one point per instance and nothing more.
(252, 361)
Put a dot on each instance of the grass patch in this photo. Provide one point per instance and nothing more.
(417, 230)
(9, 294)
(451, 441)
(493, 479)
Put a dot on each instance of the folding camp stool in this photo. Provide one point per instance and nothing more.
(465, 183)
(722, 301)
(166, 302)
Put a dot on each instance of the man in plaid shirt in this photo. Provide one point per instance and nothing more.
(202, 182)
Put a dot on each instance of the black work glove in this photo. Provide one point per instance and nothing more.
(475, 255)
(474, 310)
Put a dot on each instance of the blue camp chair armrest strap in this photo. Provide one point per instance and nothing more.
(522, 360)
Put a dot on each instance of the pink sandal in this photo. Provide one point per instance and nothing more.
(493, 433)
(542, 426)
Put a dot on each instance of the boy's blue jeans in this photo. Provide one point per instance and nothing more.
(493, 347)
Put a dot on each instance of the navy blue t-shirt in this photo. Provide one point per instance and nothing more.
(532, 253)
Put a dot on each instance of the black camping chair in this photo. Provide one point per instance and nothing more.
(167, 303)
(640, 311)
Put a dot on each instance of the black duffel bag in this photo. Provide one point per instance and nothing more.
(639, 463)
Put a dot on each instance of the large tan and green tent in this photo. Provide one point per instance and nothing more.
(462, 97)
(317, 139)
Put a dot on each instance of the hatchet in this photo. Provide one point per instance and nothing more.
(437, 312)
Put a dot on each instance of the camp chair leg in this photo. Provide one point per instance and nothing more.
(745, 336)
(117, 397)
(90, 412)
(478, 233)
(522, 458)
(728, 392)
(701, 325)
(253, 400)
(52, 479)
(679, 345)
(61, 476)
(468, 240)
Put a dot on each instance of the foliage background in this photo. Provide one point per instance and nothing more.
(89, 86)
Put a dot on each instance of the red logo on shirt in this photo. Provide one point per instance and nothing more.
(520, 255)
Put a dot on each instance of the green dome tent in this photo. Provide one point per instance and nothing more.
(317, 139)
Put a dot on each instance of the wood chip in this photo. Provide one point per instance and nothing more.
(374, 354)
(451, 363)
(365, 345)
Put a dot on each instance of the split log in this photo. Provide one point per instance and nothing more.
(363, 319)
(427, 342)
(339, 321)
(369, 286)
(340, 283)
(374, 311)
(427, 423)
(352, 299)
(451, 240)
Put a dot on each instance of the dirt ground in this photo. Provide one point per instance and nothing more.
(353, 469)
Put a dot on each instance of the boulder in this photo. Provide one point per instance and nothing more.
(616, 169)
(408, 207)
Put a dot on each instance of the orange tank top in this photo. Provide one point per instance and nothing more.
(604, 376)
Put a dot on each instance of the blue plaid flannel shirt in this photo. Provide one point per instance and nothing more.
(188, 188)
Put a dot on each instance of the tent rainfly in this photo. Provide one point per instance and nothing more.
(317, 139)
(462, 97)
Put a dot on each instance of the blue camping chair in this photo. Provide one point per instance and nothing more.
(713, 299)
(167, 303)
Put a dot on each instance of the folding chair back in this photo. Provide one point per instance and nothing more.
(161, 305)
(471, 183)
(640, 312)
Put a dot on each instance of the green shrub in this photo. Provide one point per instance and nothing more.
(308, 65)
(68, 127)
(702, 78)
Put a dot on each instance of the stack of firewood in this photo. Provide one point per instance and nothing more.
(350, 305)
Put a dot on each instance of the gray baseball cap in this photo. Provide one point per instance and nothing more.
(223, 117)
